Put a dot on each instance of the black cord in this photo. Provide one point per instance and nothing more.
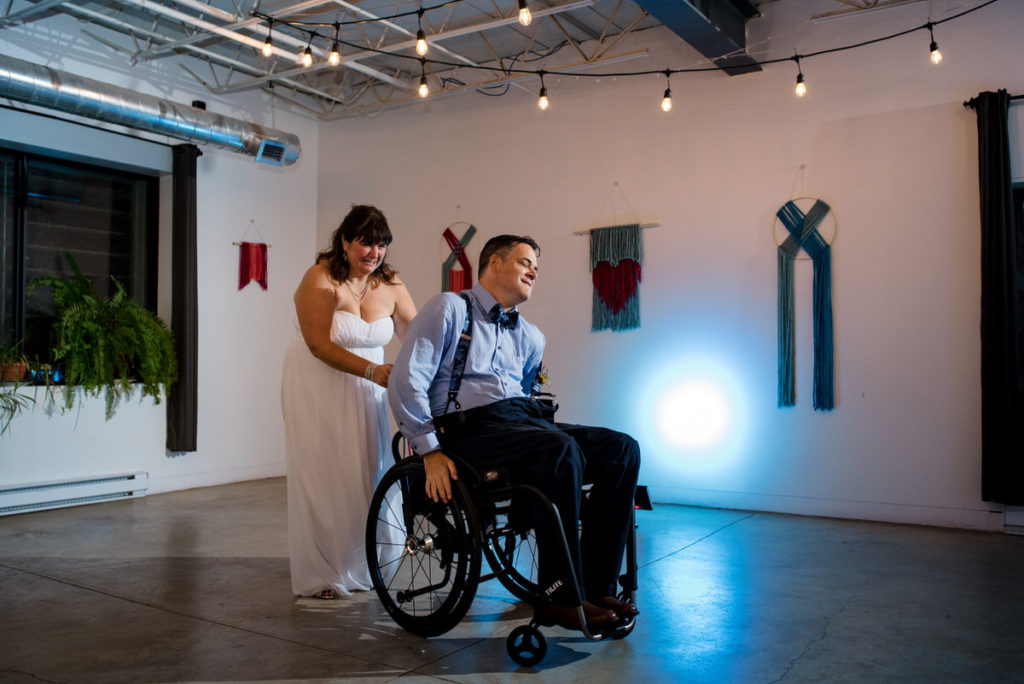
(508, 71)
(511, 70)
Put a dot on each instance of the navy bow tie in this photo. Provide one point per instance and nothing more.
(507, 320)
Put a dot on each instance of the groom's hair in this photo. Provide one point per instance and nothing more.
(501, 245)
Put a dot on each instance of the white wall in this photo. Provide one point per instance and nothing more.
(242, 334)
(882, 136)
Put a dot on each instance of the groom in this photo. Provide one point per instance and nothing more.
(488, 418)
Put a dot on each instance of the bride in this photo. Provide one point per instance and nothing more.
(348, 306)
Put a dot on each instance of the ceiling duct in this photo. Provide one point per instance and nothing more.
(716, 28)
(46, 87)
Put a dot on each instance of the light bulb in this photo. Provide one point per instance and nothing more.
(421, 43)
(335, 57)
(268, 47)
(542, 101)
(307, 57)
(936, 55)
(423, 90)
(666, 101)
(524, 13)
(801, 87)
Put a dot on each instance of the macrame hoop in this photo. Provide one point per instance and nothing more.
(459, 227)
(829, 229)
(446, 254)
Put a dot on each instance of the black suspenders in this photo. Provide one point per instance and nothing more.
(459, 362)
(461, 353)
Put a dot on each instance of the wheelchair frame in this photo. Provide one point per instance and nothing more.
(425, 561)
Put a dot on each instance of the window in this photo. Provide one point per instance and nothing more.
(106, 220)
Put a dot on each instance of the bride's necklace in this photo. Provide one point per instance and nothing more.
(358, 295)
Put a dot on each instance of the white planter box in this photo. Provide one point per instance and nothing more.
(86, 456)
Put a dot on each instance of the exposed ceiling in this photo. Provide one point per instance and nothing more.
(475, 45)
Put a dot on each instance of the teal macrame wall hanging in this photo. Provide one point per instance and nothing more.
(803, 233)
(616, 256)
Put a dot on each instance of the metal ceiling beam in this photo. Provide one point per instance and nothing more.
(123, 26)
(496, 23)
(299, 43)
(716, 28)
(247, 40)
(165, 50)
(861, 7)
(28, 12)
(157, 8)
(452, 33)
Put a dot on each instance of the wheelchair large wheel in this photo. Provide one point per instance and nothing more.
(424, 557)
(512, 554)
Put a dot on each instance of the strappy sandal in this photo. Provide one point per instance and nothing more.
(326, 595)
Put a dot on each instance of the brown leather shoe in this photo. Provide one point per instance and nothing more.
(598, 619)
(622, 609)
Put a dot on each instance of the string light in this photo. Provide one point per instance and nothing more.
(421, 37)
(268, 45)
(801, 87)
(666, 100)
(524, 13)
(306, 56)
(525, 18)
(542, 99)
(335, 57)
(934, 47)
(424, 90)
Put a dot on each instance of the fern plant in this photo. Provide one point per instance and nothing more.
(106, 343)
(12, 400)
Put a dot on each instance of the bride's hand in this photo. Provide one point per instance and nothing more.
(382, 373)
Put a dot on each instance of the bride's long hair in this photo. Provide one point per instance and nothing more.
(368, 225)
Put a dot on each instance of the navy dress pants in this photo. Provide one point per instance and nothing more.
(557, 459)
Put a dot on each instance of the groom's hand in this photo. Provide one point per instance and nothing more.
(440, 471)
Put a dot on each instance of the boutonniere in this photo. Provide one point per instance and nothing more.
(541, 379)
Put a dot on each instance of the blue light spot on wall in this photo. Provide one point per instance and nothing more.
(693, 419)
(694, 414)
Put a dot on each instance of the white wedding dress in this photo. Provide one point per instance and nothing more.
(337, 445)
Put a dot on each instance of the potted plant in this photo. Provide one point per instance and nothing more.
(104, 344)
(13, 366)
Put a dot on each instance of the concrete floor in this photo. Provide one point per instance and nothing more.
(193, 587)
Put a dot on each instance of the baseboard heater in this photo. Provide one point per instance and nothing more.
(1013, 520)
(46, 495)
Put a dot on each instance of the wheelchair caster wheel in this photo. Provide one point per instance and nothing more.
(526, 645)
(622, 631)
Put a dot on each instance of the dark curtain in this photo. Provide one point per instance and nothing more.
(182, 404)
(1002, 410)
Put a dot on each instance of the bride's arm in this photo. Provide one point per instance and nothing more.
(316, 300)
(404, 311)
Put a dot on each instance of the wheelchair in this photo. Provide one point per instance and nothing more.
(425, 557)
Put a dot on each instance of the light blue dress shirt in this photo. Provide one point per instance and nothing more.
(501, 363)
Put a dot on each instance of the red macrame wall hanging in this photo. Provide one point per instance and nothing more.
(616, 256)
(252, 260)
(252, 264)
(461, 278)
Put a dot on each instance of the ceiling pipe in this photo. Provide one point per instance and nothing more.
(52, 89)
